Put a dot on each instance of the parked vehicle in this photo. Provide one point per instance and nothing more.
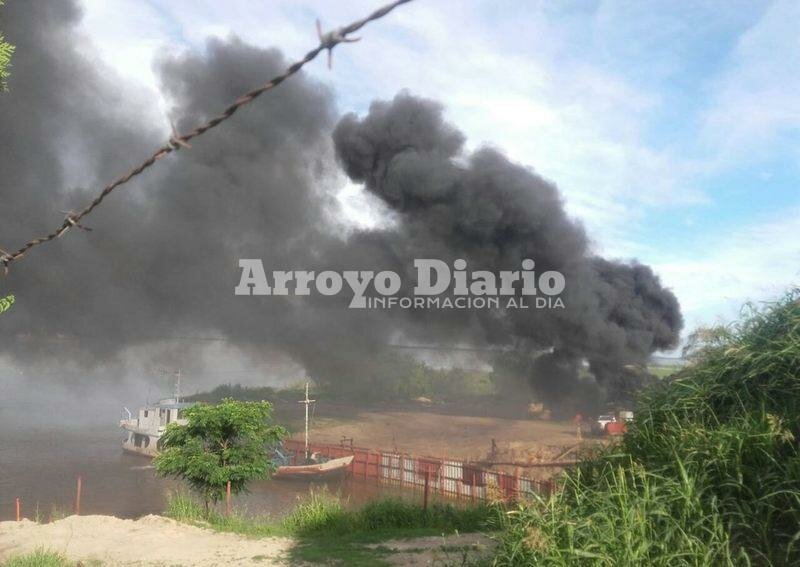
(609, 424)
(599, 425)
(625, 415)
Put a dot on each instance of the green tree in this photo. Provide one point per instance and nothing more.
(229, 441)
(6, 50)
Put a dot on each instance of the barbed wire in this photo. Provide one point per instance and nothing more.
(176, 142)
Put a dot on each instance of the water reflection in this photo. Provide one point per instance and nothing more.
(41, 466)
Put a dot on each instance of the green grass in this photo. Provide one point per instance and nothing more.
(327, 531)
(184, 508)
(708, 474)
(39, 558)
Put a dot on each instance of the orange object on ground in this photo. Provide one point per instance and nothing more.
(615, 428)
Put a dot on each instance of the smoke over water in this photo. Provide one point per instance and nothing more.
(162, 258)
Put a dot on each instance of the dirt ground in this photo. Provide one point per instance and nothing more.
(458, 549)
(153, 540)
(427, 433)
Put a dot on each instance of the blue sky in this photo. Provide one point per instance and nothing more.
(671, 128)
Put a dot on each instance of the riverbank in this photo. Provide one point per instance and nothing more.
(151, 540)
(320, 531)
(156, 541)
(382, 532)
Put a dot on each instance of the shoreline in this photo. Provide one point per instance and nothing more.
(95, 540)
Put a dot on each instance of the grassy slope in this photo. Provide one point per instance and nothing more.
(327, 532)
(708, 475)
(39, 558)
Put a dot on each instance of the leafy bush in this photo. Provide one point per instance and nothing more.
(6, 51)
(224, 443)
(708, 474)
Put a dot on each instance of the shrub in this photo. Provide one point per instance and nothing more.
(224, 443)
(708, 474)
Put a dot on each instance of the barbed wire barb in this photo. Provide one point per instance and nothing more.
(70, 218)
(331, 39)
(4, 257)
(176, 142)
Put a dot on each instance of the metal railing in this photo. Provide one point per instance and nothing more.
(443, 476)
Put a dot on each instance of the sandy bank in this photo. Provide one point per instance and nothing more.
(151, 540)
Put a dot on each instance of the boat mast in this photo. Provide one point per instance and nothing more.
(307, 402)
(178, 386)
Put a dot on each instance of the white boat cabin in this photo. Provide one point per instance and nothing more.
(146, 429)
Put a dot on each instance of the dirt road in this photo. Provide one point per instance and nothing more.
(151, 540)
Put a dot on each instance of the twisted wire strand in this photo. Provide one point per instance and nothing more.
(176, 142)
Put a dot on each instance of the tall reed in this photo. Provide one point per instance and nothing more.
(708, 473)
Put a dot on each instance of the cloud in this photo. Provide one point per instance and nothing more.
(577, 124)
(757, 262)
(633, 111)
(754, 102)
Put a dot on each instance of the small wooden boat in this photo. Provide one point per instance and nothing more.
(313, 468)
(313, 471)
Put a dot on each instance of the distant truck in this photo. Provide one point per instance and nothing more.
(599, 425)
(610, 424)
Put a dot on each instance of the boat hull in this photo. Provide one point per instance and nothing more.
(141, 444)
(138, 452)
(328, 469)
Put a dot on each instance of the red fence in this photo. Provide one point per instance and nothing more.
(444, 476)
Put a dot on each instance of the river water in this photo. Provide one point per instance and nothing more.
(40, 464)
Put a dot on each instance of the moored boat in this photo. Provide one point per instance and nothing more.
(314, 466)
(145, 430)
(314, 471)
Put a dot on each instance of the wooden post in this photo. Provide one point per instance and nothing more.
(441, 475)
(427, 487)
(78, 496)
(19, 517)
(401, 475)
(228, 499)
(474, 485)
